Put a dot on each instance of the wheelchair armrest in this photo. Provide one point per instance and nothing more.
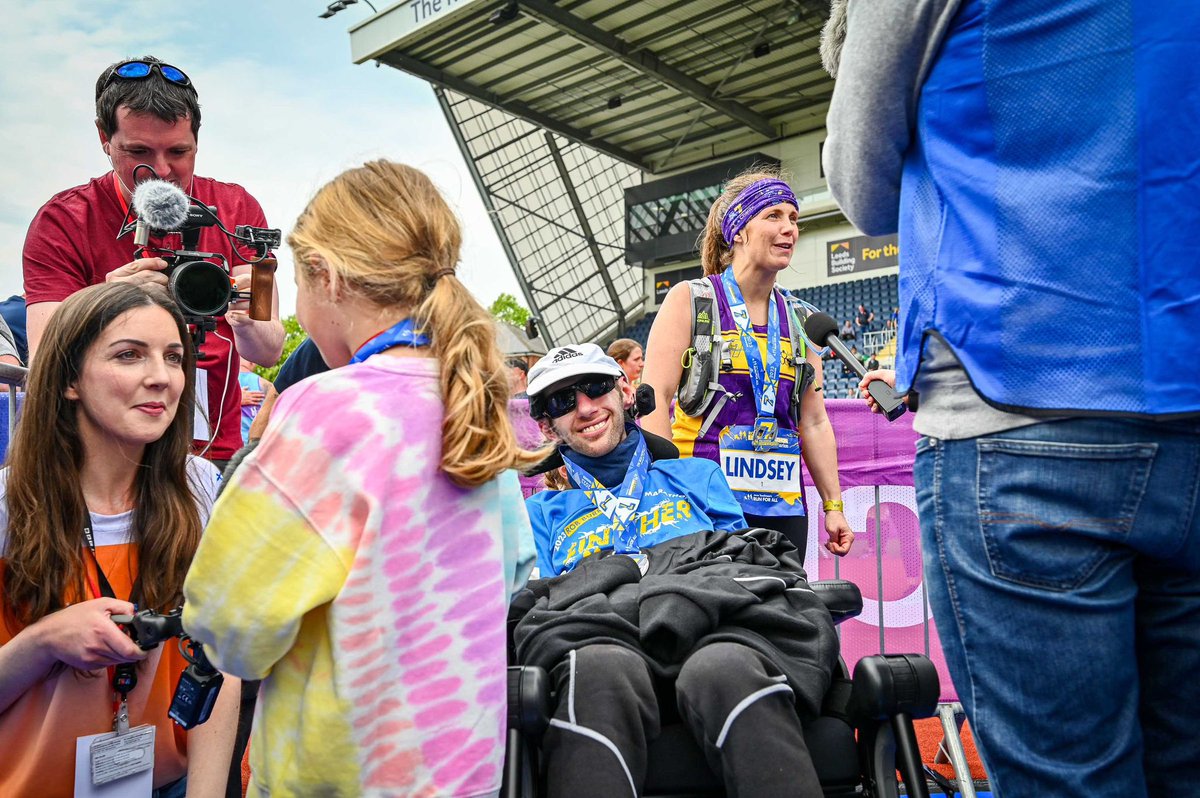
(841, 597)
(886, 685)
(529, 707)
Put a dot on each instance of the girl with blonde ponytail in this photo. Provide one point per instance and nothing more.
(362, 557)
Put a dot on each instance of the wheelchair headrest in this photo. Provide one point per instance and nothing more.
(660, 449)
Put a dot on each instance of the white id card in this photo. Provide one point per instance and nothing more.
(200, 430)
(115, 766)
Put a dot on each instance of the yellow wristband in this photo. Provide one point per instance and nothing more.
(834, 506)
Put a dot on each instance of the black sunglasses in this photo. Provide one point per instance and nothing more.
(562, 401)
(137, 70)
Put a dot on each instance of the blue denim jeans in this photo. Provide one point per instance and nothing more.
(1063, 567)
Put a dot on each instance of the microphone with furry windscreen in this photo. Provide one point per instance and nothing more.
(160, 206)
(823, 330)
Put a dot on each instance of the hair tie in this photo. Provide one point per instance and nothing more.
(442, 273)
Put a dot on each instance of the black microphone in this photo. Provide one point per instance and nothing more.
(823, 330)
(160, 206)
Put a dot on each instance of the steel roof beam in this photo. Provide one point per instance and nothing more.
(484, 194)
(441, 78)
(646, 62)
(586, 228)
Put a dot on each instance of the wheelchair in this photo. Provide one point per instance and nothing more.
(862, 737)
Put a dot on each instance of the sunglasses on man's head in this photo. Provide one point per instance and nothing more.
(137, 70)
(562, 401)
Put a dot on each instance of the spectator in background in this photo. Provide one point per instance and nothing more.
(529, 435)
(628, 354)
(254, 391)
(847, 333)
(872, 363)
(518, 372)
(12, 310)
(864, 317)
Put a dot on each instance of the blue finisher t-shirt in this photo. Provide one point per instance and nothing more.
(681, 497)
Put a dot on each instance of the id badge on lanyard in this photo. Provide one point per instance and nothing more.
(118, 763)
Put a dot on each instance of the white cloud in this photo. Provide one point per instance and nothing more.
(284, 111)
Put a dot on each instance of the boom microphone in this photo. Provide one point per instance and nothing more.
(160, 206)
(821, 328)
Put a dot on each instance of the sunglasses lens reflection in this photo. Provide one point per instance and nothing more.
(562, 401)
(137, 69)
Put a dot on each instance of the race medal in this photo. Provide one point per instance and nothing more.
(766, 434)
(765, 479)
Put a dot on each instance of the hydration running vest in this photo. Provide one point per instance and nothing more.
(708, 356)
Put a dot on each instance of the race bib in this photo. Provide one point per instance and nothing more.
(765, 480)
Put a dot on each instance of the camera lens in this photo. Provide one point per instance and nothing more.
(200, 288)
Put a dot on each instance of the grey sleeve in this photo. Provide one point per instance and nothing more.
(8, 345)
(889, 48)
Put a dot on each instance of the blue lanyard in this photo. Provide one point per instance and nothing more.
(765, 380)
(402, 333)
(620, 507)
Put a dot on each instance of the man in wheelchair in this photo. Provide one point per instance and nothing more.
(657, 599)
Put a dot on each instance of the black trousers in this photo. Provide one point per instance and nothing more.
(793, 527)
(737, 705)
(233, 788)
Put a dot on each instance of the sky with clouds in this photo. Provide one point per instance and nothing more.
(284, 110)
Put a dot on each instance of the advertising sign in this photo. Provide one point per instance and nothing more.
(862, 253)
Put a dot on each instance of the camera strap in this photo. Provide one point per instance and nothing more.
(123, 676)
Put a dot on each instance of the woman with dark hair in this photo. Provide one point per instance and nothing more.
(753, 430)
(101, 509)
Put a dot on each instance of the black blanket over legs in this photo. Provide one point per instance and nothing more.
(747, 588)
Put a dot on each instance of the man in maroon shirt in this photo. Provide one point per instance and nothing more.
(147, 112)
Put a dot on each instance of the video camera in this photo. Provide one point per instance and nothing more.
(199, 684)
(201, 282)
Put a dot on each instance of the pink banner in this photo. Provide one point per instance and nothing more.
(875, 461)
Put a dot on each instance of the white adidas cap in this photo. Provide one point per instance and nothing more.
(570, 361)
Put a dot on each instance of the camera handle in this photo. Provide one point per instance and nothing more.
(262, 288)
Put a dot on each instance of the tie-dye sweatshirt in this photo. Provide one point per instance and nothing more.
(367, 590)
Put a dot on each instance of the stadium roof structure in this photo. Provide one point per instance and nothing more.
(560, 106)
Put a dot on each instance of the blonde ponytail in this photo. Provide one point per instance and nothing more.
(478, 439)
(384, 232)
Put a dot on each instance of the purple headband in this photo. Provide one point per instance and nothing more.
(756, 196)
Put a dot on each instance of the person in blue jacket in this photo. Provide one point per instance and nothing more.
(1039, 161)
(738, 703)
(578, 395)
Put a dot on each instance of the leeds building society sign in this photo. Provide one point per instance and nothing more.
(862, 253)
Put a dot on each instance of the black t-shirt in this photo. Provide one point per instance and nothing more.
(304, 361)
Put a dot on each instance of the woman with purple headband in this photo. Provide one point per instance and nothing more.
(753, 432)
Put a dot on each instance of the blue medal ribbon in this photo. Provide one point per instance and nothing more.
(619, 507)
(402, 333)
(763, 378)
